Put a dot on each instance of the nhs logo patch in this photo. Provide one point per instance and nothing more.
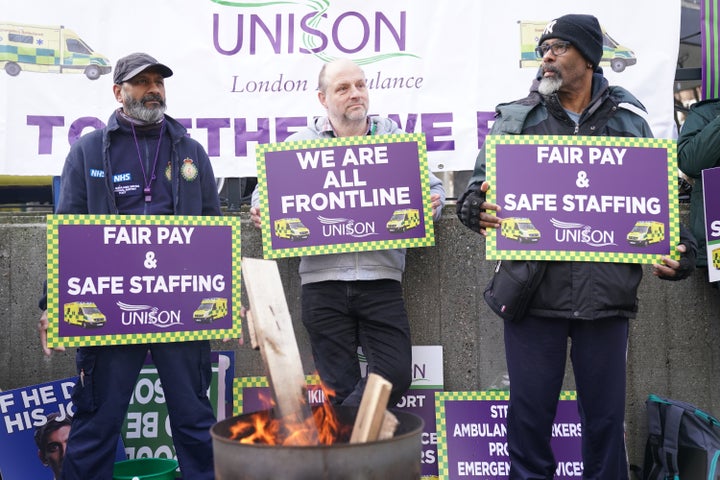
(96, 173)
(122, 177)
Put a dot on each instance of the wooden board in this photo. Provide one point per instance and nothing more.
(371, 414)
(274, 334)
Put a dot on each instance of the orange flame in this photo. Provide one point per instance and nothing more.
(261, 428)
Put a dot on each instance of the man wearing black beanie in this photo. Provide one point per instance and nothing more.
(590, 303)
(582, 31)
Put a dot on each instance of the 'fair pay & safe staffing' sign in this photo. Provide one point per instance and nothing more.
(348, 194)
(602, 199)
(118, 279)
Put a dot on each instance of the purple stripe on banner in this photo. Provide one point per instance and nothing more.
(714, 70)
(703, 46)
(709, 49)
(712, 42)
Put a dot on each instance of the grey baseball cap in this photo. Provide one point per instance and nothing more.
(135, 63)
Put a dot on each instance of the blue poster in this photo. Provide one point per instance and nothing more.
(36, 422)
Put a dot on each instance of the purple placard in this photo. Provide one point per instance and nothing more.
(344, 194)
(711, 193)
(582, 198)
(122, 279)
(420, 401)
(472, 436)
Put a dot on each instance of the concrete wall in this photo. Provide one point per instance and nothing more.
(674, 342)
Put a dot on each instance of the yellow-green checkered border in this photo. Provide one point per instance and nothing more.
(55, 221)
(492, 141)
(31, 54)
(441, 415)
(249, 382)
(271, 253)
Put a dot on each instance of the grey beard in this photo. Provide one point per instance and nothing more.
(549, 85)
(136, 109)
(150, 115)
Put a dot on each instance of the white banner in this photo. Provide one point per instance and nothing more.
(246, 71)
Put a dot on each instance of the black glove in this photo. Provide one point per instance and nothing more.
(687, 259)
(468, 207)
(687, 264)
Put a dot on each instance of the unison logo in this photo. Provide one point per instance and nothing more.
(348, 32)
(147, 315)
(568, 232)
(344, 227)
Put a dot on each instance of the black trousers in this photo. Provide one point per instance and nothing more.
(536, 352)
(339, 317)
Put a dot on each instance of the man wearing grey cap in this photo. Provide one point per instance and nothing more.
(589, 303)
(141, 163)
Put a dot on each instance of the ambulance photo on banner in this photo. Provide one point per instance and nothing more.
(246, 72)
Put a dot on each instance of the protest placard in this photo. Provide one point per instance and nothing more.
(115, 279)
(35, 418)
(346, 194)
(39, 415)
(711, 194)
(146, 432)
(472, 435)
(601, 199)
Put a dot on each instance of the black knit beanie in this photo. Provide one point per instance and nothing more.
(583, 31)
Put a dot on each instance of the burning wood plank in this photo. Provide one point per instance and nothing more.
(274, 334)
(373, 421)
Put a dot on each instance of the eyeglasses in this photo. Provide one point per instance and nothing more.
(558, 48)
